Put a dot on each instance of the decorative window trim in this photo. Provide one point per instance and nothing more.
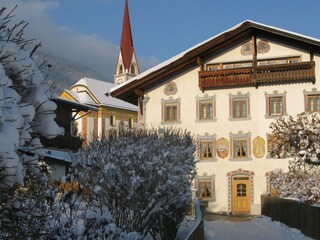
(307, 94)
(235, 97)
(240, 171)
(206, 99)
(275, 94)
(210, 139)
(170, 101)
(206, 178)
(240, 136)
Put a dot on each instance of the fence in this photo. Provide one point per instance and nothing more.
(196, 230)
(292, 213)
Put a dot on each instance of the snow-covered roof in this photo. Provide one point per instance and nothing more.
(99, 89)
(250, 23)
(75, 105)
(55, 154)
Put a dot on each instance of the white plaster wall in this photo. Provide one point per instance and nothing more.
(90, 122)
(58, 170)
(188, 90)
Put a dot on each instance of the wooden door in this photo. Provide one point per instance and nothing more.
(241, 194)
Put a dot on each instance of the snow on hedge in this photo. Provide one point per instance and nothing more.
(25, 111)
(143, 178)
(299, 138)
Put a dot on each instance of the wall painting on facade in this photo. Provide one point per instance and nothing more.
(222, 147)
(259, 147)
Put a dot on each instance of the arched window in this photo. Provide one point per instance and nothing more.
(133, 69)
(120, 69)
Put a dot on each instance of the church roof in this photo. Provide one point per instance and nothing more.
(189, 57)
(101, 92)
(126, 44)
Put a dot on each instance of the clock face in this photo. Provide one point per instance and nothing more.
(119, 81)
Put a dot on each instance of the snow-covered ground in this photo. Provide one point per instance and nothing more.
(262, 228)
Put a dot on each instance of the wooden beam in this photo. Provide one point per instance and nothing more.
(200, 63)
(254, 50)
(139, 92)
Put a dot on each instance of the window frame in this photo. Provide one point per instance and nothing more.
(240, 137)
(208, 180)
(206, 139)
(239, 97)
(275, 94)
(206, 99)
(170, 103)
(307, 95)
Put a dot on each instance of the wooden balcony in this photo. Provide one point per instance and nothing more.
(250, 76)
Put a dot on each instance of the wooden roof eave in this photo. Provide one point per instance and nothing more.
(221, 41)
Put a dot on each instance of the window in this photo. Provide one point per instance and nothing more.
(112, 120)
(212, 67)
(130, 122)
(133, 69)
(313, 103)
(279, 61)
(170, 111)
(239, 106)
(205, 189)
(205, 186)
(206, 108)
(241, 148)
(120, 69)
(206, 147)
(206, 150)
(275, 104)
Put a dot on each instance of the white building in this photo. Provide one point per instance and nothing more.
(227, 90)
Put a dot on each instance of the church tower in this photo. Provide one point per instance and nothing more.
(127, 66)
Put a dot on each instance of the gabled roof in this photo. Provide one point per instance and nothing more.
(126, 44)
(190, 57)
(98, 89)
(74, 105)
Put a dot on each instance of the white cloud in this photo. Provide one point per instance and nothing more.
(62, 41)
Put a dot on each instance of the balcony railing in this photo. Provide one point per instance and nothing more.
(302, 71)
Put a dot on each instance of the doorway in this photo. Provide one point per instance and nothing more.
(241, 194)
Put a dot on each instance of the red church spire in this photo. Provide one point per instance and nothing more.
(126, 44)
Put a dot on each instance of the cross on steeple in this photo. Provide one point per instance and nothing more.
(127, 66)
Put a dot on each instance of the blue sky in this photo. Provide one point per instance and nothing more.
(88, 31)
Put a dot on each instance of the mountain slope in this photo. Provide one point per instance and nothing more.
(62, 73)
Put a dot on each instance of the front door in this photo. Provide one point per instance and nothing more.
(241, 194)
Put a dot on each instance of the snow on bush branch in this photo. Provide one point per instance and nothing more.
(142, 177)
(25, 111)
(298, 137)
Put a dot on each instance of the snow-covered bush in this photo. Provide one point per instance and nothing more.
(25, 111)
(303, 185)
(142, 177)
(298, 137)
(25, 115)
